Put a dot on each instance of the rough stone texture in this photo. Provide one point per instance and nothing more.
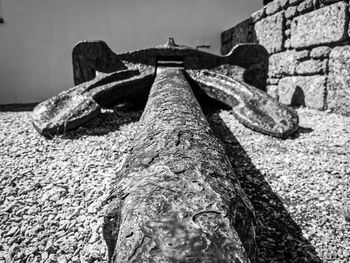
(288, 23)
(283, 3)
(242, 33)
(177, 198)
(326, 25)
(273, 7)
(308, 91)
(320, 52)
(252, 107)
(258, 15)
(272, 81)
(84, 161)
(310, 67)
(285, 63)
(269, 32)
(305, 6)
(295, 2)
(338, 93)
(287, 44)
(272, 90)
(290, 12)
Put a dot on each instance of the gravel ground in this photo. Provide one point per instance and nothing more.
(51, 191)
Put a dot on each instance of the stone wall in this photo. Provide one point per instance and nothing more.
(309, 46)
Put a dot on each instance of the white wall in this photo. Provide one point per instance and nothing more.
(38, 35)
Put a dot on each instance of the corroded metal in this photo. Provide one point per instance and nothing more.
(177, 198)
(104, 78)
(251, 107)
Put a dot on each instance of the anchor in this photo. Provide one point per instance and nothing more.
(104, 78)
(177, 197)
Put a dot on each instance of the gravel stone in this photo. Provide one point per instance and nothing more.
(299, 187)
(50, 189)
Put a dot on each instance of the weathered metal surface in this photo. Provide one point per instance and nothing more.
(134, 73)
(177, 198)
(81, 103)
(252, 107)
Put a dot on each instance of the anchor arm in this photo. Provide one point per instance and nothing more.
(251, 107)
(73, 107)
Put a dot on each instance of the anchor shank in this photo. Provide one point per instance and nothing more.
(177, 198)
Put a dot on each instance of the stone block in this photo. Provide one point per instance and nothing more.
(305, 6)
(283, 3)
(291, 12)
(285, 63)
(320, 52)
(288, 23)
(338, 93)
(287, 44)
(323, 26)
(272, 90)
(242, 33)
(308, 91)
(273, 7)
(295, 2)
(303, 55)
(272, 81)
(311, 67)
(269, 32)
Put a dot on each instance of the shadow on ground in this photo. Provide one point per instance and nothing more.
(17, 107)
(300, 131)
(279, 238)
(109, 121)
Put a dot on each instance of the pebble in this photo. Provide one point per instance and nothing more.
(12, 231)
(62, 259)
(50, 188)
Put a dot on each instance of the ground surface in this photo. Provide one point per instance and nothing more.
(51, 191)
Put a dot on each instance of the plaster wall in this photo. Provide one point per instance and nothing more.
(38, 35)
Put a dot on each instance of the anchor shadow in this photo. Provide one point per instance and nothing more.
(279, 238)
(109, 120)
(18, 107)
